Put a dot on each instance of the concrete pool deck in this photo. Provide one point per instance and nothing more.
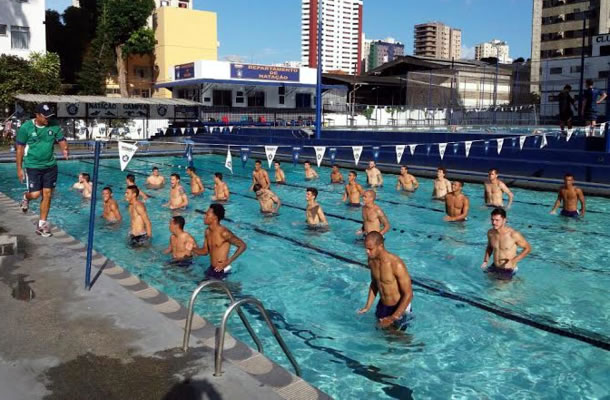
(119, 340)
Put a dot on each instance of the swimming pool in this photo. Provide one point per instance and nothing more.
(471, 337)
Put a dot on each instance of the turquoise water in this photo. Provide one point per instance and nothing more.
(452, 349)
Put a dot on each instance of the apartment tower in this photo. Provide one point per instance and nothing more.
(494, 48)
(437, 40)
(341, 35)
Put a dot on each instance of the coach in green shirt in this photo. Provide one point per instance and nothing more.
(35, 152)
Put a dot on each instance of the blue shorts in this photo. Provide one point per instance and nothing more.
(211, 273)
(353, 204)
(181, 262)
(38, 179)
(139, 240)
(501, 273)
(383, 311)
(571, 214)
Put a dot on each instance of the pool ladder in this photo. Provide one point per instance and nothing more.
(221, 331)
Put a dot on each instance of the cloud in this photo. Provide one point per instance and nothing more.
(467, 52)
(234, 58)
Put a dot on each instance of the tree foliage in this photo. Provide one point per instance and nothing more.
(141, 42)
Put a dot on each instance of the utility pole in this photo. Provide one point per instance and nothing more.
(319, 81)
(582, 61)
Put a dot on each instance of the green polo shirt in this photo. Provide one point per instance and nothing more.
(39, 144)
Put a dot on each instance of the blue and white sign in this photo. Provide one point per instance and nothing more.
(264, 72)
(184, 71)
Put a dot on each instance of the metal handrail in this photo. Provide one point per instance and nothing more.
(220, 339)
(189, 317)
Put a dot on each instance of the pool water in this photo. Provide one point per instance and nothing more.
(471, 337)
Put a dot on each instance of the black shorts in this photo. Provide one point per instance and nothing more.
(565, 116)
(38, 179)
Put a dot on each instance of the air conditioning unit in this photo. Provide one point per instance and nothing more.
(164, 3)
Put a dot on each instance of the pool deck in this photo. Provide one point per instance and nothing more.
(119, 340)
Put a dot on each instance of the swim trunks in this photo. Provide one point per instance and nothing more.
(318, 227)
(211, 273)
(139, 240)
(353, 204)
(571, 214)
(383, 311)
(501, 273)
(181, 262)
(280, 183)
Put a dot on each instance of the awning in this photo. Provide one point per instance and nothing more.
(200, 81)
(154, 101)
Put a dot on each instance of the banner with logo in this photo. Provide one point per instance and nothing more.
(70, 110)
(412, 148)
(126, 152)
(270, 152)
(570, 132)
(320, 150)
(521, 142)
(500, 144)
(332, 153)
(441, 149)
(229, 161)
(357, 150)
(400, 149)
(161, 111)
(467, 146)
(296, 154)
(244, 154)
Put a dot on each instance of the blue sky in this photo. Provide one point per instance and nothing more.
(271, 33)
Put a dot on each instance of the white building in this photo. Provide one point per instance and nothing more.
(22, 28)
(341, 35)
(558, 72)
(494, 48)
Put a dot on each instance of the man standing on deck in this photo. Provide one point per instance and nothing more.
(566, 103)
(406, 181)
(280, 178)
(217, 243)
(140, 233)
(35, 144)
(177, 195)
(494, 188)
(260, 176)
(390, 278)
(456, 204)
(196, 184)
(591, 98)
(373, 217)
(353, 191)
(373, 175)
(181, 243)
(442, 186)
(570, 195)
(502, 242)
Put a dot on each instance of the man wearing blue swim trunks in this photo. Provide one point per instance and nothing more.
(390, 278)
(217, 243)
(570, 195)
(502, 242)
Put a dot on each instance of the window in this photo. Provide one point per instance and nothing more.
(555, 71)
(602, 74)
(256, 99)
(3, 30)
(604, 50)
(575, 68)
(222, 98)
(281, 91)
(20, 37)
(142, 73)
(239, 97)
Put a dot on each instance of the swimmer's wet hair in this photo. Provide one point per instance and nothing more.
(374, 237)
(493, 170)
(107, 188)
(258, 162)
(130, 177)
(256, 187)
(155, 168)
(134, 189)
(191, 169)
(499, 211)
(219, 211)
(442, 169)
(334, 165)
(179, 220)
(218, 175)
(176, 176)
(277, 162)
(313, 191)
(86, 177)
(405, 167)
(568, 175)
(307, 162)
(353, 172)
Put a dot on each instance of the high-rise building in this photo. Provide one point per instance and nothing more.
(437, 40)
(494, 48)
(383, 51)
(557, 30)
(22, 28)
(174, 3)
(341, 35)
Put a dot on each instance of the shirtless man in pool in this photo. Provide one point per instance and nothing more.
(406, 181)
(181, 243)
(494, 189)
(570, 195)
(140, 233)
(177, 195)
(155, 180)
(313, 214)
(111, 208)
(373, 217)
(373, 175)
(442, 186)
(267, 199)
(260, 176)
(353, 191)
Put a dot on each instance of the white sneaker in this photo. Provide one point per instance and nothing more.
(25, 203)
(44, 230)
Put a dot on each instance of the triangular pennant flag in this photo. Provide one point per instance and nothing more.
(441, 149)
(357, 150)
(332, 152)
(455, 148)
(195, 130)
(126, 151)
(295, 155)
(412, 148)
(544, 142)
(602, 129)
(182, 130)
(513, 141)
(521, 141)
(588, 131)
(320, 150)
(500, 144)
(229, 161)
(400, 149)
(244, 153)
(467, 146)
(570, 132)
(270, 152)
(376, 150)
(174, 131)
(486, 146)
(231, 128)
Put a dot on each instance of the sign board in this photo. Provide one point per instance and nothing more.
(71, 110)
(102, 110)
(161, 111)
(136, 111)
(264, 72)
(184, 71)
(186, 112)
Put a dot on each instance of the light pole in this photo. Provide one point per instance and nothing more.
(582, 61)
(319, 71)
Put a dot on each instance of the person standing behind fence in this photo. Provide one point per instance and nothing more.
(566, 102)
(35, 151)
(591, 98)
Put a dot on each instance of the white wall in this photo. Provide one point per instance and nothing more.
(23, 13)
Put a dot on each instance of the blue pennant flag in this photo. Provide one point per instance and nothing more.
(295, 155)
(188, 154)
(332, 152)
(244, 154)
(486, 146)
(514, 142)
(428, 148)
(376, 150)
(455, 148)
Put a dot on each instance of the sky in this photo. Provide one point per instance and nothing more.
(268, 31)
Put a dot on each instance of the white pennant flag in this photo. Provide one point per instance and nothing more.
(126, 151)
(602, 129)
(588, 131)
(270, 152)
(441, 149)
(230, 128)
(467, 145)
(400, 149)
(182, 130)
(500, 143)
(412, 148)
(229, 161)
(543, 143)
(195, 130)
(320, 150)
(357, 150)
(570, 132)
(521, 142)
